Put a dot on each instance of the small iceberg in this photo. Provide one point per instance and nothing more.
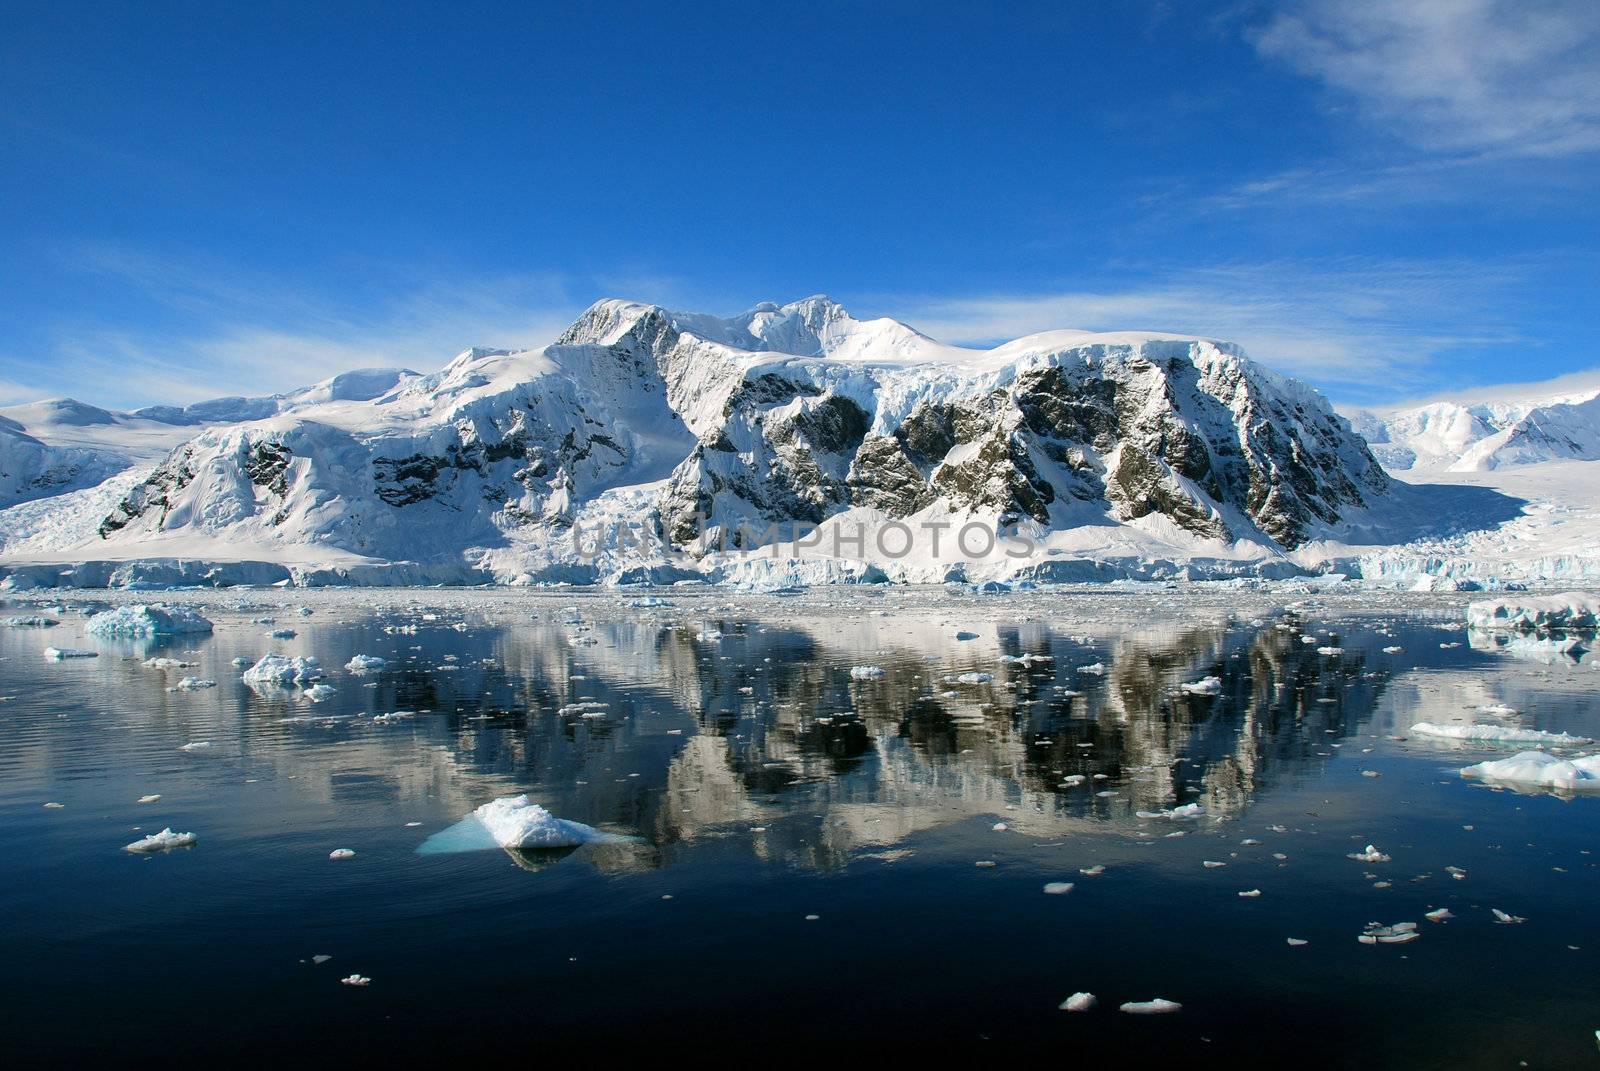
(144, 621)
(164, 841)
(512, 822)
(1175, 814)
(1571, 610)
(1498, 734)
(1204, 686)
(56, 654)
(866, 673)
(1079, 1002)
(282, 672)
(365, 664)
(1540, 769)
(1158, 1006)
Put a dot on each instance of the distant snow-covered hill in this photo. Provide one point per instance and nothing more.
(1479, 436)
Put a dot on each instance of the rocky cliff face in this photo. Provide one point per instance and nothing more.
(784, 415)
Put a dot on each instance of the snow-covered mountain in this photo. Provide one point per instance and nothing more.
(1479, 436)
(61, 445)
(704, 432)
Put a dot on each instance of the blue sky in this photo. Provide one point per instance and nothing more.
(1387, 200)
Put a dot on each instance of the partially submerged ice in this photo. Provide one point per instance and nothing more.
(144, 621)
(1498, 734)
(512, 822)
(1540, 769)
(1536, 613)
(164, 841)
(283, 671)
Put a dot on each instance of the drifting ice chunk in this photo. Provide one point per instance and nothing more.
(192, 684)
(1498, 734)
(356, 979)
(197, 745)
(31, 621)
(1204, 686)
(56, 654)
(1539, 769)
(1058, 888)
(283, 672)
(1079, 1002)
(975, 678)
(164, 841)
(318, 692)
(342, 853)
(1157, 1006)
(1574, 610)
(1188, 810)
(866, 673)
(512, 822)
(1370, 855)
(365, 664)
(147, 621)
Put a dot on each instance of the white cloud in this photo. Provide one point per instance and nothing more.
(1352, 323)
(1478, 76)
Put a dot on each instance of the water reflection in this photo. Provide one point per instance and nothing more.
(679, 727)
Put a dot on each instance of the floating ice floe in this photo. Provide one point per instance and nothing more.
(281, 671)
(1439, 915)
(56, 654)
(1092, 871)
(1204, 686)
(866, 673)
(143, 621)
(356, 980)
(975, 678)
(1370, 855)
(150, 798)
(196, 745)
(1079, 1002)
(1397, 934)
(1540, 769)
(318, 692)
(1296, 942)
(1498, 734)
(1058, 888)
(168, 663)
(1331, 652)
(1505, 918)
(164, 841)
(192, 684)
(512, 822)
(1187, 810)
(1571, 610)
(365, 664)
(342, 853)
(1158, 1006)
(29, 621)
(1097, 669)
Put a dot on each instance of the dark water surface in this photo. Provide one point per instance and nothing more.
(759, 783)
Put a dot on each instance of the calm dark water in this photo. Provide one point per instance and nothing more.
(762, 784)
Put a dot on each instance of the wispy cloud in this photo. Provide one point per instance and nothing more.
(215, 329)
(1472, 76)
(1355, 325)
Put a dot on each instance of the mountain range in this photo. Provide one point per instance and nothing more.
(646, 442)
